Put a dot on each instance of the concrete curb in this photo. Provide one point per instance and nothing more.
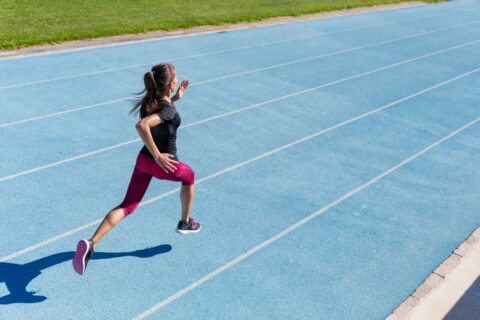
(434, 290)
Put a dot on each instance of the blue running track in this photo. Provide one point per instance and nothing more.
(336, 166)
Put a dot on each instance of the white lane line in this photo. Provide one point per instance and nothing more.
(54, 114)
(317, 35)
(297, 225)
(421, 34)
(241, 164)
(8, 124)
(53, 164)
(51, 240)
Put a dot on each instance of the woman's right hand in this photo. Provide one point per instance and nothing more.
(165, 161)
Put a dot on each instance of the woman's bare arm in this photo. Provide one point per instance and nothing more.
(183, 86)
(143, 127)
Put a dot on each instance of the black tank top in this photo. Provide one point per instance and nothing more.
(165, 134)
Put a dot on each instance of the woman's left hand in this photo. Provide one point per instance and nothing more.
(183, 86)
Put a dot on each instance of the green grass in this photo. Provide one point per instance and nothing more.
(30, 22)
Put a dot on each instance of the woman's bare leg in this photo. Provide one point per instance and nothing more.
(186, 196)
(110, 221)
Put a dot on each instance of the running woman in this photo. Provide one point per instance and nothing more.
(158, 124)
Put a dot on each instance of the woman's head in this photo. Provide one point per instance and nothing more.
(160, 81)
(161, 78)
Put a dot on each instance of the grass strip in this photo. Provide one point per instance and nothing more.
(32, 22)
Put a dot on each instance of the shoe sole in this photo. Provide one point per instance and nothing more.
(79, 259)
(187, 231)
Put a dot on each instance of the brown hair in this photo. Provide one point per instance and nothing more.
(156, 80)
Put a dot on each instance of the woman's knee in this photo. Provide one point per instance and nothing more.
(186, 174)
(189, 178)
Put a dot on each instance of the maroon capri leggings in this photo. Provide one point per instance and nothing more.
(145, 169)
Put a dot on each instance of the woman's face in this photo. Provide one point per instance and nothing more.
(173, 83)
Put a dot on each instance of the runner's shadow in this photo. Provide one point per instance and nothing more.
(18, 276)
